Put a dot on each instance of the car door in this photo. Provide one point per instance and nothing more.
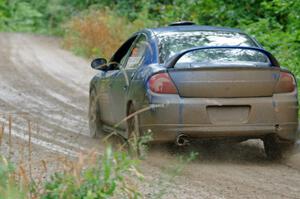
(105, 99)
(122, 80)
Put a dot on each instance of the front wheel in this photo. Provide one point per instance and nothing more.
(94, 116)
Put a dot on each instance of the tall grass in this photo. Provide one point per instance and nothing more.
(10, 186)
(114, 173)
(90, 175)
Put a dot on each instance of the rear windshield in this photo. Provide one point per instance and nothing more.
(222, 57)
(171, 43)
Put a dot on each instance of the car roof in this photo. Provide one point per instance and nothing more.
(187, 28)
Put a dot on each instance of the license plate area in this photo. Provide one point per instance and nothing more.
(228, 114)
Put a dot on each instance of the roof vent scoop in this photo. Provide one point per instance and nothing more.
(182, 23)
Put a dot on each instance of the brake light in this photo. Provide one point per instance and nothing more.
(162, 83)
(286, 83)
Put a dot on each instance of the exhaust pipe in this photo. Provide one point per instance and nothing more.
(181, 140)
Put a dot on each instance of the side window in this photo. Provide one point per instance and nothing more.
(120, 55)
(137, 53)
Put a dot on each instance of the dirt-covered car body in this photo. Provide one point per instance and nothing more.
(201, 82)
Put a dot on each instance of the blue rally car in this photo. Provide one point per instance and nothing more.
(200, 82)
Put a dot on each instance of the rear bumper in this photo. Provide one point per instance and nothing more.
(168, 132)
(277, 114)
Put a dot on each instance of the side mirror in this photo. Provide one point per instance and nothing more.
(99, 64)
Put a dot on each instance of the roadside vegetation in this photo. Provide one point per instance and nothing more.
(90, 176)
(113, 173)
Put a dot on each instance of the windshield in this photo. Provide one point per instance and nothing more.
(171, 43)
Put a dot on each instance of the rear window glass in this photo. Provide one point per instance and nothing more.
(223, 56)
(171, 43)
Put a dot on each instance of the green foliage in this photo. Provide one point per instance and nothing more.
(43, 16)
(9, 187)
(108, 177)
(113, 174)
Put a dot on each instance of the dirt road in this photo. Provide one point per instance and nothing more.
(51, 85)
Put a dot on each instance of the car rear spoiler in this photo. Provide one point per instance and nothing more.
(173, 60)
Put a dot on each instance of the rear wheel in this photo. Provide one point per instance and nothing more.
(94, 116)
(275, 149)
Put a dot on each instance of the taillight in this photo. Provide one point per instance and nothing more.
(162, 83)
(286, 83)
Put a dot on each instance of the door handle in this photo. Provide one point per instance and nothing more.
(132, 74)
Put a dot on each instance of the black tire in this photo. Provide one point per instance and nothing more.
(94, 116)
(274, 149)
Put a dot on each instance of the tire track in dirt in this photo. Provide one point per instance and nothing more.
(50, 84)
